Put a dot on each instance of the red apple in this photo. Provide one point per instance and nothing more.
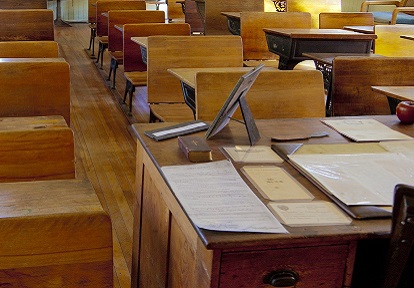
(405, 112)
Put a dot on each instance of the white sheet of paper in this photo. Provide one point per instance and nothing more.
(359, 179)
(215, 197)
(315, 213)
(252, 154)
(275, 184)
(364, 129)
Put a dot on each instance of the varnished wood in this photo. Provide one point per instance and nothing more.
(275, 94)
(54, 232)
(29, 49)
(44, 149)
(215, 23)
(216, 256)
(165, 52)
(105, 151)
(107, 5)
(35, 87)
(251, 30)
(350, 73)
(404, 93)
(23, 4)
(389, 42)
(132, 51)
(26, 24)
(340, 19)
(120, 17)
(319, 33)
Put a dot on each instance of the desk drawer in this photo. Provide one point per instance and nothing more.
(320, 266)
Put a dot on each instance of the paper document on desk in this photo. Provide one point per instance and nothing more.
(358, 179)
(215, 197)
(364, 129)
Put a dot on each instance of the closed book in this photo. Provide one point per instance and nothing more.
(195, 148)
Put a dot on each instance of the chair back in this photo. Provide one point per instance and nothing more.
(26, 25)
(389, 42)
(215, 23)
(120, 17)
(352, 78)
(107, 5)
(400, 261)
(29, 49)
(337, 20)
(132, 52)
(254, 39)
(164, 52)
(274, 94)
(34, 87)
(23, 4)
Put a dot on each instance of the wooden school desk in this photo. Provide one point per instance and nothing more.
(168, 250)
(233, 22)
(324, 62)
(290, 44)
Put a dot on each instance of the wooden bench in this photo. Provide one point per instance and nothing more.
(135, 71)
(34, 87)
(23, 4)
(389, 42)
(352, 78)
(164, 52)
(214, 22)
(251, 30)
(102, 21)
(29, 49)
(337, 20)
(55, 233)
(274, 94)
(26, 25)
(36, 148)
(115, 36)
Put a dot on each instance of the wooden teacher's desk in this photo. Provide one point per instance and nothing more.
(170, 251)
(290, 44)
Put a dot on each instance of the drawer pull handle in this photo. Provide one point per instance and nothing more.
(281, 278)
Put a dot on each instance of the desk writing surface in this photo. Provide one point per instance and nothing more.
(361, 29)
(404, 93)
(187, 75)
(327, 58)
(234, 134)
(319, 33)
(231, 14)
(143, 41)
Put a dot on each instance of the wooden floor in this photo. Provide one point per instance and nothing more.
(105, 150)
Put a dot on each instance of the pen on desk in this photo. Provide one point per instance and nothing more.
(303, 137)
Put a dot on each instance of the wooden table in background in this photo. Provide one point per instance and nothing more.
(290, 44)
